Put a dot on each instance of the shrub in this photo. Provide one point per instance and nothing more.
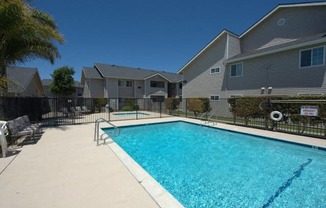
(130, 104)
(99, 103)
(198, 105)
(171, 104)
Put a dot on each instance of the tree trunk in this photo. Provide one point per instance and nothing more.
(3, 78)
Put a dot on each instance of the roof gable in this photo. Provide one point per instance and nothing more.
(206, 47)
(19, 78)
(280, 6)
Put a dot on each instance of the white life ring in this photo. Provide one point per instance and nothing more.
(276, 115)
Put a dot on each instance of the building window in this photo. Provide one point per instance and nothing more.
(156, 84)
(236, 70)
(124, 83)
(215, 70)
(180, 86)
(235, 95)
(214, 97)
(312, 57)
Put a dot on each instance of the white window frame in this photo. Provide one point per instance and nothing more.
(123, 83)
(235, 95)
(310, 94)
(216, 70)
(307, 49)
(240, 63)
(152, 81)
(214, 96)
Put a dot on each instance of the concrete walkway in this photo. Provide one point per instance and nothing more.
(66, 168)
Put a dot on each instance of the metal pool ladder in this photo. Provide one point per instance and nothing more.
(97, 136)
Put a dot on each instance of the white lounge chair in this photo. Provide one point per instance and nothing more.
(16, 132)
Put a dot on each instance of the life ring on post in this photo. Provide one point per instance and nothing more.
(276, 115)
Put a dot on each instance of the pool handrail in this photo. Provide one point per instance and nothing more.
(97, 130)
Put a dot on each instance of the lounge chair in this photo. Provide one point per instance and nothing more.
(36, 126)
(85, 110)
(65, 111)
(16, 132)
(74, 111)
(78, 109)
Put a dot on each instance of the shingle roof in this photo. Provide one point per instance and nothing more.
(91, 72)
(20, 76)
(280, 46)
(47, 82)
(113, 71)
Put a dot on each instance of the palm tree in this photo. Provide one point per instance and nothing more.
(26, 34)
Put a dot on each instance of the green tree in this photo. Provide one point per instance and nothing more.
(26, 33)
(62, 81)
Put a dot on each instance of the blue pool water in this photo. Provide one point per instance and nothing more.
(208, 167)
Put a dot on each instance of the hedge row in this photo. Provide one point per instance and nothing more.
(289, 106)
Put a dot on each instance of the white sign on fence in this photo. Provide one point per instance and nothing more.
(309, 110)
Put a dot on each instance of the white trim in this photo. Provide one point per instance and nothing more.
(321, 40)
(157, 74)
(214, 95)
(227, 46)
(311, 66)
(236, 64)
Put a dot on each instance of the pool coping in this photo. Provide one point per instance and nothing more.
(165, 199)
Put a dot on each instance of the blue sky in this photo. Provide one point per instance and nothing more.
(149, 34)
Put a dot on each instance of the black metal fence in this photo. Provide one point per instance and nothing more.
(67, 111)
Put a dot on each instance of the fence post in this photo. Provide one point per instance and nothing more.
(186, 108)
(161, 109)
(136, 104)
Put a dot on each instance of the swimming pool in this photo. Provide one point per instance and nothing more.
(208, 167)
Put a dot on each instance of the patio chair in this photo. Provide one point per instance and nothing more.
(79, 110)
(65, 111)
(37, 126)
(15, 132)
(73, 110)
(85, 110)
(22, 125)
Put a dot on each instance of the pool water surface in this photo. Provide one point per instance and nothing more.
(209, 167)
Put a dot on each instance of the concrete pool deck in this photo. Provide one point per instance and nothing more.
(66, 168)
